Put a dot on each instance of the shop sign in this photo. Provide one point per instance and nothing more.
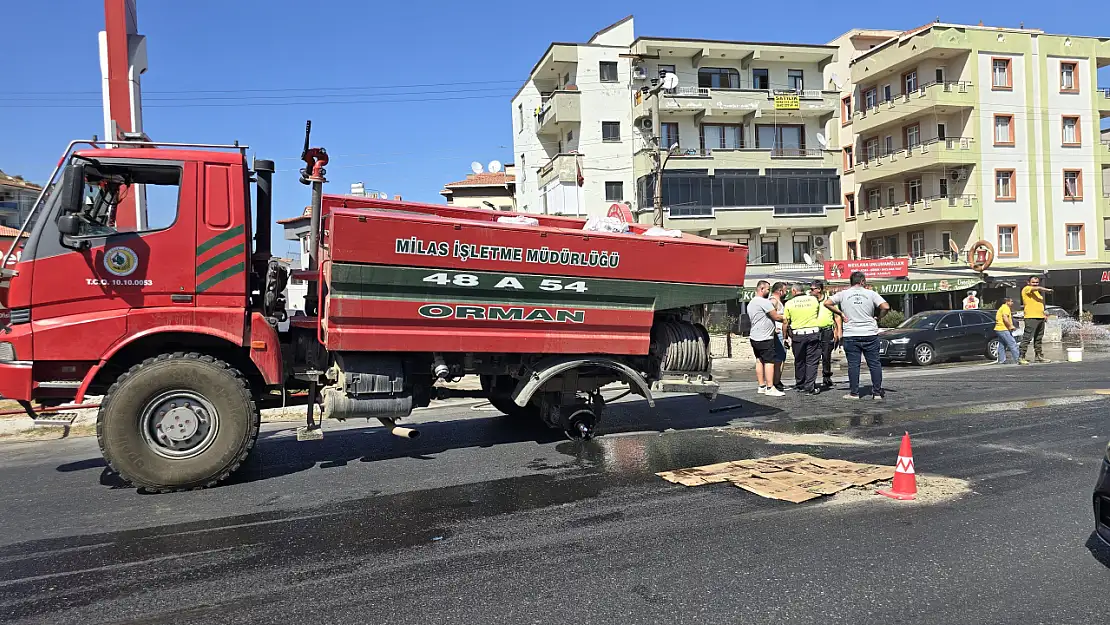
(873, 269)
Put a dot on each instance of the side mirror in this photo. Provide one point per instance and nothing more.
(73, 188)
(69, 224)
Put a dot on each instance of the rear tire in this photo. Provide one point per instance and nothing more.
(177, 422)
(993, 346)
(499, 389)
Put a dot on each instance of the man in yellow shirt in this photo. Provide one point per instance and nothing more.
(830, 332)
(800, 323)
(1004, 328)
(1032, 301)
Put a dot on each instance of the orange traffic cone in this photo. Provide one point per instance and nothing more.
(905, 480)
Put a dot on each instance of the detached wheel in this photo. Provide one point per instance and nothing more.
(177, 422)
(499, 390)
(924, 354)
(993, 346)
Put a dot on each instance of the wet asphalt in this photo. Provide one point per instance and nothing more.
(487, 520)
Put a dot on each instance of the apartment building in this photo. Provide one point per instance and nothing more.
(747, 157)
(494, 190)
(16, 197)
(953, 134)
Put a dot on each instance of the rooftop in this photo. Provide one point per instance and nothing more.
(17, 181)
(487, 179)
(304, 215)
(9, 232)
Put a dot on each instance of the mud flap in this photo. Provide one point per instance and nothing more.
(551, 367)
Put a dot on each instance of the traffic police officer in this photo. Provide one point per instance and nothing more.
(800, 323)
(828, 323)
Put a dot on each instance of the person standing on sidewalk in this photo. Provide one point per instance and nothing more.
(1004, 328)
(763, 315)
(830, 332)
(861, 308)
(778, 298)
(1032, 302)
(800, 321)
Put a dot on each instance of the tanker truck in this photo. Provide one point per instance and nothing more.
(142, 277)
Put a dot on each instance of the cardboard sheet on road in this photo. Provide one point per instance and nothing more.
(793, 477)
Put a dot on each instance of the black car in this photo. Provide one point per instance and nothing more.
(1102, 500)
(928, 337)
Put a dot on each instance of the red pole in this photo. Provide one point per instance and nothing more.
(119, 23)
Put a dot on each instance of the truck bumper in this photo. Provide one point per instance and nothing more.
(15, 380)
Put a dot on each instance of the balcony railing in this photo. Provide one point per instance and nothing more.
(966, 200)
(773, 152)
(706, 92)
(799, 211)
(948, 143)
(959, 86)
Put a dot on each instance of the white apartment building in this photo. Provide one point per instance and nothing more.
(16, 197)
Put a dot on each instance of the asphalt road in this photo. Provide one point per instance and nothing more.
(483, 520)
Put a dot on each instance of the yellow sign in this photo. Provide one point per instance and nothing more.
(787, 102)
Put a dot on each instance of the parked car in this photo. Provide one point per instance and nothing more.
(1102, 500)
(1054, 311)
(1100, 309)
(936, 335)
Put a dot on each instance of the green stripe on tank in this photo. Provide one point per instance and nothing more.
(220, 277)
(219, 258)
(220, 238)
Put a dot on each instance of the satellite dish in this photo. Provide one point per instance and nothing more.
(494, 167)
(807, 258)
(835, 80)
(670, 80)
(952, 246)
(476, 167)
(822, 140)
(819, 256)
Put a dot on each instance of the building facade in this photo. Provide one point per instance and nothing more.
(16, 197)
(746, 155)
(954, 134)
(490, 190)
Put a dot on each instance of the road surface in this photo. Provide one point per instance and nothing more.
(483, 520)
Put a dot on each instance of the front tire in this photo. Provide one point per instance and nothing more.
(924, 354)
(177, 422)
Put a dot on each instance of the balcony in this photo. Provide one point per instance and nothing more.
(741, 158)
(1102, 100)
(930, 99)
(557, 111)
(720, 105)
(927, 211)
(931, 154)
(562, 167)
(710, 220)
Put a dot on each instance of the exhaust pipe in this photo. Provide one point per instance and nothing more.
(397, 430)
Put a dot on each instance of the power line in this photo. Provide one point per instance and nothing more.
(253, 104)
(280, 89)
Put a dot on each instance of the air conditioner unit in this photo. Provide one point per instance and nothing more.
(956, 175)
(819, 241)
(644, 123)
(639, 72)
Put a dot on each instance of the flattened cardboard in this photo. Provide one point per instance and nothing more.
(774, 489)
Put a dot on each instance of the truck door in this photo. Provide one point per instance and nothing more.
(85, 287)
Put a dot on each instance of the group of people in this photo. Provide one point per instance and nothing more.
(1032, 301)
(812, 323)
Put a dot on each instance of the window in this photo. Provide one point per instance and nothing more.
(875, 247)
(911, 135)
(850, 206)
(913, 191)
(853, 250)
(614, 191)
(1073, 184)
(887, 95)
(846, 110)
(795, 79)
(761, 79)
(949, 322)
(871, 147)
(1001, 75)
(943, 186)
(870, 99)
(940, 75)
(890, 196)
(611, 132)
(917, 244)
(1003, 129)
(107, 185)
(891, 246)
(769, 251)
(1070, 133)
(668, 133)
(942, 131)
(1074, 239)
(1069, 74)
(722, 137)
(874, 197)
(1004, 187)
(1007, 240)
(889, 145)
(520, 116)
(909, 82)
(946, 246)
(718, 78)
(784, 139)
(801, 248)
(608, 71)
(848, 162)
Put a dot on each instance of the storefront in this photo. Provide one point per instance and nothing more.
(1070, 285)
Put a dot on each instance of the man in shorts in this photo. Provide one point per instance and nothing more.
(763, 315)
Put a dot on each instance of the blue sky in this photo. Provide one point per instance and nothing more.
(226, 70)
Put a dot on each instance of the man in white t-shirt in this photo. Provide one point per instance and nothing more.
(861, 308)
(763, 316)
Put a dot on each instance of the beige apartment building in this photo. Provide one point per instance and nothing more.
(952, 134)
(490, 190)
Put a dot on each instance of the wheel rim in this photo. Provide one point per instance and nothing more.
(992, 348)
(179, 424)
(924, 353)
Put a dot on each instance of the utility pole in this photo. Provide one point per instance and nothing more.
(658, 154)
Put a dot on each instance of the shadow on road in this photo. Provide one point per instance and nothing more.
(1099, 550)
(277, 453)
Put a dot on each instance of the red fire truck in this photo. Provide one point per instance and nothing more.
(174, 319)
